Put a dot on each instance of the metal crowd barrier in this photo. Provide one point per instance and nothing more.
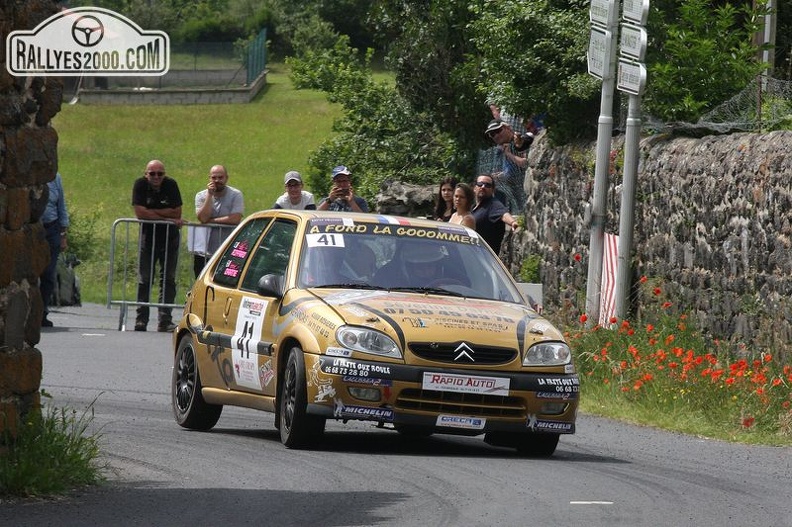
(122, 277)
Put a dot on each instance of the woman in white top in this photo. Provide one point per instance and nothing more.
(295, 198)
(463, 201)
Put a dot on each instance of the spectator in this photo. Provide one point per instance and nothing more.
(342, 196)
(513, 147)
(155, 196)
(221, 203)
(444, 202)
(295, 197)
(463, 201)
(490, 214)
(56, 222)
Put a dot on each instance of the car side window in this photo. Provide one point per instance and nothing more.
(236, 253)
(272, 254)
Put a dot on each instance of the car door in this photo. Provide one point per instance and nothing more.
(252, 316)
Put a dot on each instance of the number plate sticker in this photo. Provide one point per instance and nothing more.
(245, 341)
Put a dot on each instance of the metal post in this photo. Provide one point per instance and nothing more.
(601, 169)
(627, 214)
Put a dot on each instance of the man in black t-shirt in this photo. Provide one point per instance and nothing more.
(490, 214)
(155, 196)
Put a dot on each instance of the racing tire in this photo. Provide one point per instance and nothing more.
(189, 407)
(298, 429)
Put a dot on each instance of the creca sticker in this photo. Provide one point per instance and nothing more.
(443, 233)
(455, 421)
(449, 382)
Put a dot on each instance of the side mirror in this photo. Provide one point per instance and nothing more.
(270, 285)
(194, 324)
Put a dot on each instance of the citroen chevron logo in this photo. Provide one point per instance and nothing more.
(463, 350)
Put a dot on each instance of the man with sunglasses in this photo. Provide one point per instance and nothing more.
(490, 214)
(155, 196)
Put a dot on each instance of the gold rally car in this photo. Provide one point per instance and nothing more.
(413, 324)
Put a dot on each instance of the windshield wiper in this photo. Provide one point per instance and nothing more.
(350, 285)
(433, 290)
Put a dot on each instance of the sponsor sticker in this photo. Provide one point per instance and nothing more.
(540, 425)
(449, 382)
(338, 352)
(342, 411)
(245, 342)
(455, 421)
(87, 41)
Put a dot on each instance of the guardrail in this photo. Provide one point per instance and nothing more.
(123, 278)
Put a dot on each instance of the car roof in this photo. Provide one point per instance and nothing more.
(357, 217)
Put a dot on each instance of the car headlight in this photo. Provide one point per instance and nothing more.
(548, 354)
(368, 341)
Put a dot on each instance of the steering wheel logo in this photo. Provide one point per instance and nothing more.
(88, 31)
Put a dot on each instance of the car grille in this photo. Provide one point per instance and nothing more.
(451, 353)
(460, 403)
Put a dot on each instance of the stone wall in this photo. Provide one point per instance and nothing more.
(712, 229)
(28, 160)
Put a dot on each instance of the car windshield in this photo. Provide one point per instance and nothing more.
(448, 260)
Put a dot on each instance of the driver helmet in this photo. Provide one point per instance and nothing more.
(422, 261)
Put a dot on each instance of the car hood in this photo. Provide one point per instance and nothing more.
(420, 317)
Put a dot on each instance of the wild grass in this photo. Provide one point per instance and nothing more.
(53, 452)
(663, 372)
(103, 149)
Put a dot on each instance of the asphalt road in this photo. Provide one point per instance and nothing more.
(608, 473)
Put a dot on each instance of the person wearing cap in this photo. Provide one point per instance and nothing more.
(513, 147)
(342, 196)
(218, 203)
(295, 198)
(491, 215)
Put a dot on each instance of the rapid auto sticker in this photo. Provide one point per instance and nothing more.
(449, 382)
(245, 340)
(455, 421)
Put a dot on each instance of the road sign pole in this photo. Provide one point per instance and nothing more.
(627, 214)
(601, 169)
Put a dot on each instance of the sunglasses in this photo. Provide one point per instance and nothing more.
(157, 174)
(483, 184)
(293, 184)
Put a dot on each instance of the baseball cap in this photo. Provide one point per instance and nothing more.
(341, 169)
(292, 175)
(493, 127)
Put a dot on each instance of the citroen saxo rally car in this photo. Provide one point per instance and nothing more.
(413, 324)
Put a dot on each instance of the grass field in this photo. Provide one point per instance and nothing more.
(103, 149)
